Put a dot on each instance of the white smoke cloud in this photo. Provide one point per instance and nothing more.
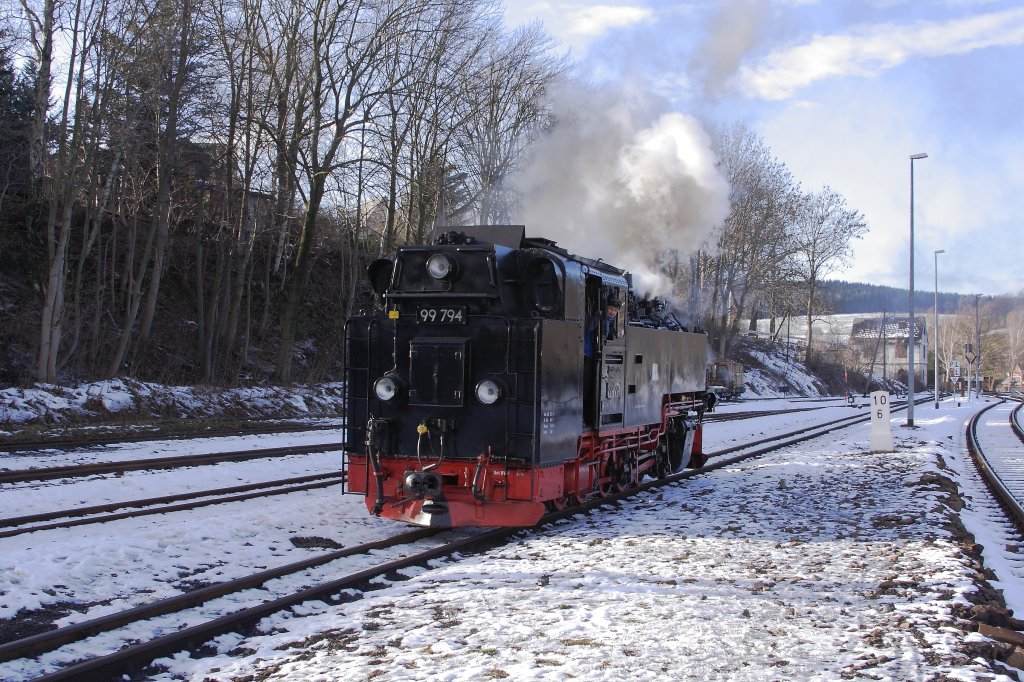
(734, 29)
(620, 178)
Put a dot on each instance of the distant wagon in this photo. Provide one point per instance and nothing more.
(725, 379)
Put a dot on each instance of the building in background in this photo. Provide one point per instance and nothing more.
(879, 345)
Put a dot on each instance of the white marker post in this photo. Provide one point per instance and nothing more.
(881, 427)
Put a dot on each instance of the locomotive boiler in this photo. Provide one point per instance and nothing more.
(499, 376)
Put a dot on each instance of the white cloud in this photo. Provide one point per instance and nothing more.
(871, 50)
(576, 24)
(596, 20)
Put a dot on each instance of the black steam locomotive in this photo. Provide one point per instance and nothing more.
(500, 376)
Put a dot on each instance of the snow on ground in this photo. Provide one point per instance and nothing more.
(37, 497)
(173, 552)
(131, 399)
(821, 562)
(777, 372)
(124, 452)
(983, 516)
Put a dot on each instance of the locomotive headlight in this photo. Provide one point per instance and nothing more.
(488, 391)
(440, 266)
(387, 387)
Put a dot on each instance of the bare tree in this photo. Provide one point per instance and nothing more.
(161, 70)
(822, 236)
(508, 86)
(1015, 340)
(42, 20)
(345, 79)
(746, 264)
(416, 121)
(77, 138)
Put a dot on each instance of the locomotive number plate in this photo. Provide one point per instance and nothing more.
(441, 315)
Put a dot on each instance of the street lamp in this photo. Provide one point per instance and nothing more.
(910, 329)
(936, 350)
(977, 340)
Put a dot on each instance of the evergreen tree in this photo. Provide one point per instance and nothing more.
(15, 116)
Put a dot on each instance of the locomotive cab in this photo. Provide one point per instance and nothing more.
(474, 395)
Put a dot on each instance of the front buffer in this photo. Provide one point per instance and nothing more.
(453, 494)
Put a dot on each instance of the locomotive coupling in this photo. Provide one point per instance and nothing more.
(422, 484)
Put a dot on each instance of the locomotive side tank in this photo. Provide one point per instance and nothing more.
(474, 396)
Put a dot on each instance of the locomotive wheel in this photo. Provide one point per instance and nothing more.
(622, 480)
(621, 477)
(560, 503)
(663, 465)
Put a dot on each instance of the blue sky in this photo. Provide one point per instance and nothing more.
(843, 92)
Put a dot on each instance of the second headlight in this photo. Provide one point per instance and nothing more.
(488, 392)
(387, 387)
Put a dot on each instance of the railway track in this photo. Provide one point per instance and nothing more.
(735, 416)
(135, 657)
(15, 445)
(104, 513)
(995, 440)
(68, 518)
(100, 468)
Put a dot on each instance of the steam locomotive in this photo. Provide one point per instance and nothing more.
(493, 381)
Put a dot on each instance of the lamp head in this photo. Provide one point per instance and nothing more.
(922, 155)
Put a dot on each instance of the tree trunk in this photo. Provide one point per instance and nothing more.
(165, 169)
(52, 319)
(810, 321)
(41, 95)
(297, 283)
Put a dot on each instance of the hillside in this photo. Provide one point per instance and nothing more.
(858, 297)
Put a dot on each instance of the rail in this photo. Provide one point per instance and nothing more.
(999, 488)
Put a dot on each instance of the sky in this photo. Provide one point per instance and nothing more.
(844, 92)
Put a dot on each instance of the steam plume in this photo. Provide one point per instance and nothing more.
(735, 28)
(620, 179)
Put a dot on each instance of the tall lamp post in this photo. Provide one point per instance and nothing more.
(977, 340)
(936, 349)
(910, 329)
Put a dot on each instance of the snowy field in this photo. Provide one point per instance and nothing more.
(821, 562)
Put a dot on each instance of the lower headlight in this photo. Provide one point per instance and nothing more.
(488, 391)
(386, 387)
